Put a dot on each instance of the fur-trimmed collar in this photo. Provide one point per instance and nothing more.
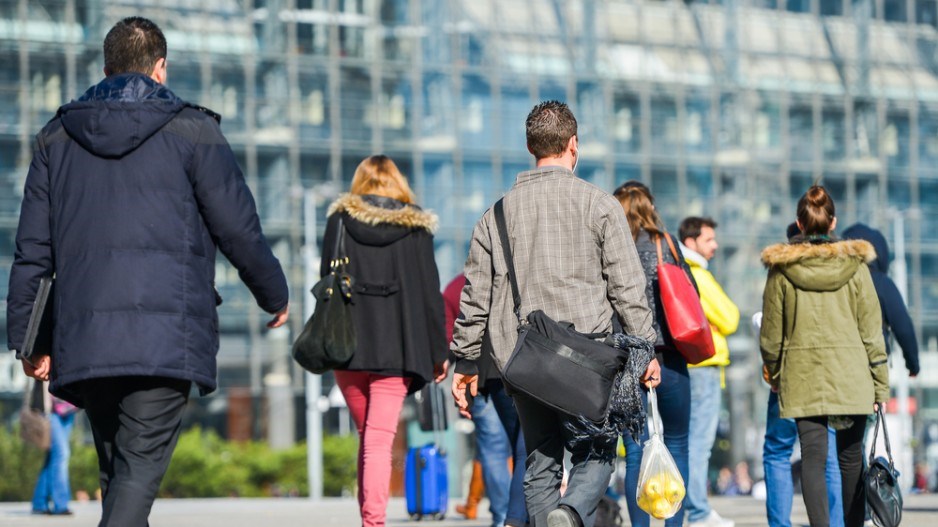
(784, 253)
(409, 216)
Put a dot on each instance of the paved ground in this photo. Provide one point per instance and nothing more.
(920, 511)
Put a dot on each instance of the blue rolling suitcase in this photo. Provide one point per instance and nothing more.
(425, 475)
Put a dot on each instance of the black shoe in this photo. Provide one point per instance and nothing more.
(563, 516)
(66, 512)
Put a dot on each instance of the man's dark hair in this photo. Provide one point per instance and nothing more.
(691, 227)
(549, 127)
(133, 45)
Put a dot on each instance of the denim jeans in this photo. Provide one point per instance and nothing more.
(674, 406)
(492, 450)
(517, 510)
(704, 417)
(53, 479)
(780, 436)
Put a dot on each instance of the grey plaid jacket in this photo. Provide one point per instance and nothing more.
(575, 260)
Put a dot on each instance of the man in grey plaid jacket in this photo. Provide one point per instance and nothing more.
(576, 261)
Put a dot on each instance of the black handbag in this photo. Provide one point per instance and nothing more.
(328, 338)
(881, 482)
(553, 363)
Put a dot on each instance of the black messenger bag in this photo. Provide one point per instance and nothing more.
(552, 362)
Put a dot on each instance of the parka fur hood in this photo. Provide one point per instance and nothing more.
(819, 266)
(377, 210)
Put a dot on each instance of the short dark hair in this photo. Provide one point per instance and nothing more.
(549, 127)
(133, 45)
(691, 227)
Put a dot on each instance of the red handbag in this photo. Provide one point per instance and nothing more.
(690, 330)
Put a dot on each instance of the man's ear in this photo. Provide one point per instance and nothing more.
(529, 149)
(107, 72)
(573, 145)
(159, 71)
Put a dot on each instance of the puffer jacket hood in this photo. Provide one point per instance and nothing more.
(109, 121)
(381, 221)
(819, 266)
(860, 231)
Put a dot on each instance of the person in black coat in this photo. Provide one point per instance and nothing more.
(895, 315)
(397, 313)
(129, 193)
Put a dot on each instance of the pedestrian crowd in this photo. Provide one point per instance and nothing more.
(131, 191)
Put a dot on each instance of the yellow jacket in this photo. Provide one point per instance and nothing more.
(719, 309)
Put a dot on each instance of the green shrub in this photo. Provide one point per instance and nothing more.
(83, 471)
(203, 465)
(340, 465)
(19, 466)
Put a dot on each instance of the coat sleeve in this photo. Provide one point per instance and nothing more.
(228, 209)
(33, 257)
(899, 321)
(475, 301)
(870, 324)
(719, 309)
(623, 272)
(433, 299)
(771, 332)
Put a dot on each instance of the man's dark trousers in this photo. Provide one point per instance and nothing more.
(545, 437)
(135, 422)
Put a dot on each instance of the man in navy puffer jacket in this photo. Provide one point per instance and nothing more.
(128, 195)
(895, 315)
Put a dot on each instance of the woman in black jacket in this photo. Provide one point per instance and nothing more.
(397, 314)
(674, 390)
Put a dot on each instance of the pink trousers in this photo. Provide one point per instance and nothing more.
(375, 403)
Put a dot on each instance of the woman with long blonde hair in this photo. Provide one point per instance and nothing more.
(397, 312)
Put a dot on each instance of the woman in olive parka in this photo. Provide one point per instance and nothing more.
(822, 344)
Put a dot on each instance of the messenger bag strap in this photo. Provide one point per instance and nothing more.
(506, 247)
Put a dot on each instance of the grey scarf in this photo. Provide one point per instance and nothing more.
(626, 411)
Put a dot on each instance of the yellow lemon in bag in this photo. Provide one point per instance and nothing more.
(661, 508)
(674, 491)
(644, 503)
(654, 487)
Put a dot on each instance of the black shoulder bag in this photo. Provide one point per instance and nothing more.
(881, 481)
(328, 338)
(552, 362)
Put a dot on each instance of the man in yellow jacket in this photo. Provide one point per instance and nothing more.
(698, 243)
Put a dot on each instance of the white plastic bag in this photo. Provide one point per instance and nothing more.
(660, 485)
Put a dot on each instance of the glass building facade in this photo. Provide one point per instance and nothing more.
(729, 109)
